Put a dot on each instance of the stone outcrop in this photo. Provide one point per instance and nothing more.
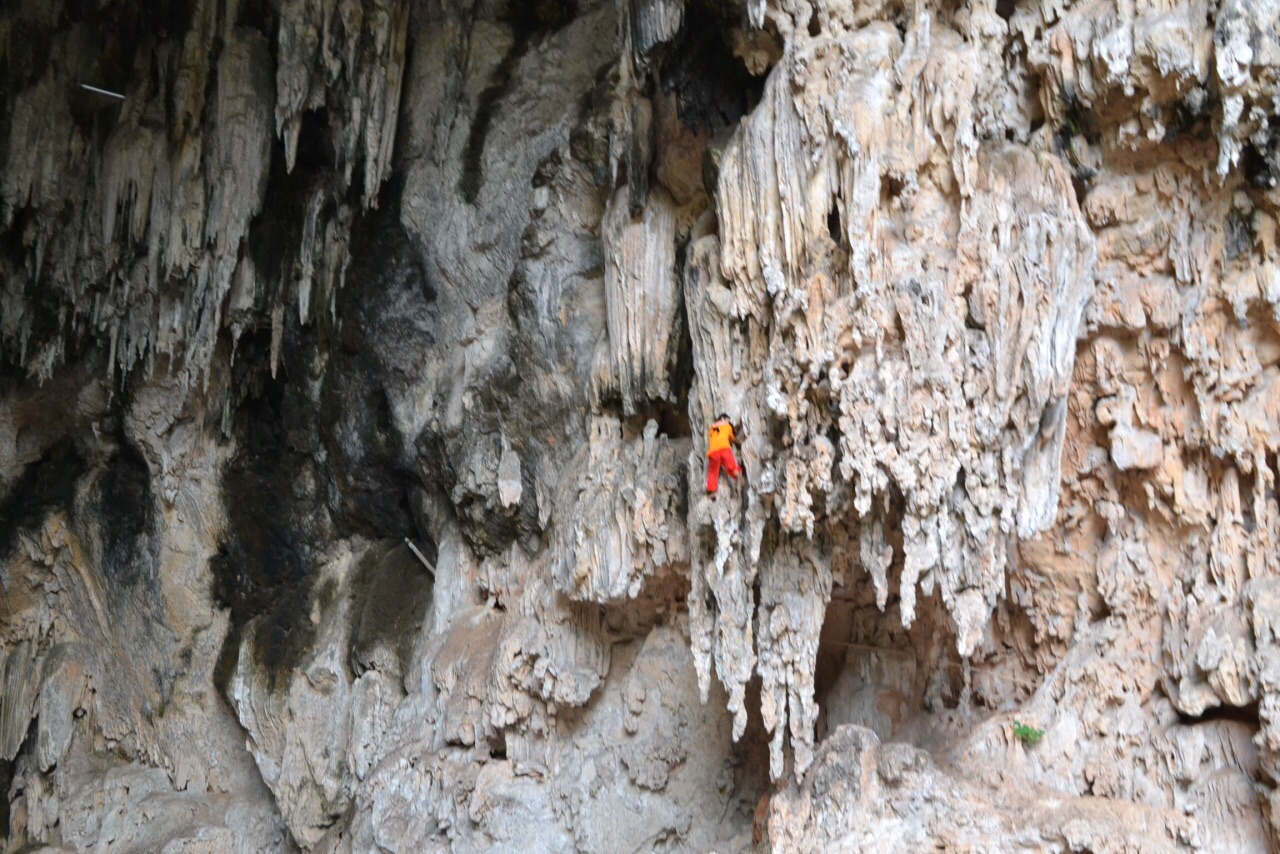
(355, 365)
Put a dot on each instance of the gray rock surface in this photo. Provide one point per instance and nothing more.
(354, 375)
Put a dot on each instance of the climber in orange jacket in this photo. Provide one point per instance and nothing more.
(720, 453)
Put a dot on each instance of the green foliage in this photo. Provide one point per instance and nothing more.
(1028, 735)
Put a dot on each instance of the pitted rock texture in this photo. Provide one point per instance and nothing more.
(355, 368)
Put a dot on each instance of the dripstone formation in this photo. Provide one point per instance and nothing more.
(356, 362)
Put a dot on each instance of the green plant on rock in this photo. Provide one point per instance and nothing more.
(1028, 735)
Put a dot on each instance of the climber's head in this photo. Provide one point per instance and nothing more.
(722, 417)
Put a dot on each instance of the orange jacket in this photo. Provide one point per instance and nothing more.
(719, 437)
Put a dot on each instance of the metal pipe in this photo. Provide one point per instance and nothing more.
(420, 556)
(97, 91)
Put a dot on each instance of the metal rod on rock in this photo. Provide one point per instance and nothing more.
(431, 569)
(97, 91)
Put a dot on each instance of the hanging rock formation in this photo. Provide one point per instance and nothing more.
(355, 367)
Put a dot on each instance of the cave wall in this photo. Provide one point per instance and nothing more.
(354, 371)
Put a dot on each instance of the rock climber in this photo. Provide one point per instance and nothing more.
(720, 452)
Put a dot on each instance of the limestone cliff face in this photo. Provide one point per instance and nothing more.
(354, 371)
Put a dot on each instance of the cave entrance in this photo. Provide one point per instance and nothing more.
(866, 671)
(751, 783)
(672, 420)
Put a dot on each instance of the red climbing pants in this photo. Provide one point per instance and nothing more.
(716, 459)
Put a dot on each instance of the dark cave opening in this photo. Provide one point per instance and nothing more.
(498, 746)
(1192, 116)
(680, 357)
(1247, 715)
(275, 235)
(1261, 165)
(45, 486)
(124, 503)
(263, 567)
(891, 189)
(713, 88)
(168, 17)
(260, 15)
(27, 49)
(6, 780)
(751, 783)
(538, 17)
(672, 421)
(837, 628)
(864, 674)
(369, 479)
(1080, 185)
(1075, 122)
(835, 226)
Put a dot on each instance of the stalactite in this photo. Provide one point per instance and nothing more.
(182, 180)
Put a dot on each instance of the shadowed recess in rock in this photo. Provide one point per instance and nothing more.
(389, 298)
(263, 568)
(391, 594)
(6, 778)
(277, 233)
(124, 510)
(44, 486)
(713, 88)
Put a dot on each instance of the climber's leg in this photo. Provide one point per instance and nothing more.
(713, 473)
(731, 464)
